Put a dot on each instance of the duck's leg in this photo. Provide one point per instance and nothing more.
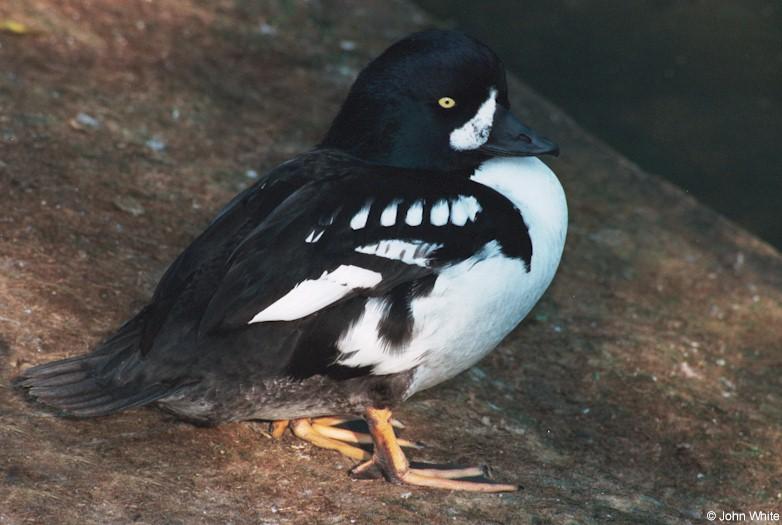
(327, 427)
(303, 429)
(389, 460)
(279, 427)
(332, 421)
(324, 432)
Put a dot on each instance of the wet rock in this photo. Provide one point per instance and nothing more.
(83, 122)
(128, 204)
(155, 144)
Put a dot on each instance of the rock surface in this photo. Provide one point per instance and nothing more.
(645, 388)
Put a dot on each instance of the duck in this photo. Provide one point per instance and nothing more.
(392, 256)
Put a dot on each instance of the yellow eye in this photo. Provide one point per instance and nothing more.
(446, 102)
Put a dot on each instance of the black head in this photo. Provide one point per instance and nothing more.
(435, 100)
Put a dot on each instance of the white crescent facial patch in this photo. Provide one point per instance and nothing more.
(475, 132)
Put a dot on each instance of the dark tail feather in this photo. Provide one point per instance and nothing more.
(105, 381)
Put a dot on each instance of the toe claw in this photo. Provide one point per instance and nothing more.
(411, 444)
(366, 470)
(486, 471)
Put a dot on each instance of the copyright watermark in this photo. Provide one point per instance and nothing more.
(743, 517)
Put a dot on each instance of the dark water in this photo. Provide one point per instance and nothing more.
(688, 89)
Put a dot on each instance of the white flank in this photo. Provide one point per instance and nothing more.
(475, 303)
(312, 295)
(463, 209)
(361, 345)
(444, 321)
(439, 214)
(475, 132)
(415, 214)
(388, 217)
(359, 220)
(408, 252)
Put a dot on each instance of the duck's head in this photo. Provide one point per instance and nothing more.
(436, 100)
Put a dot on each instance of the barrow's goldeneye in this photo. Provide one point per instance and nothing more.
(391, 257)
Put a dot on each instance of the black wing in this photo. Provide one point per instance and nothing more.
(376, 232)
(150, 355)
(368, 232)
(196, 272)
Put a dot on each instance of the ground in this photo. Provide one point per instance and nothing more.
(645, 388)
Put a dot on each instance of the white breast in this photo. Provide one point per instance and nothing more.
(476, 303)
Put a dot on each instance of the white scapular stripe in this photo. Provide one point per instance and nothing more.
(314, 236)
(359, 220)
(408, 252)
(439, 214)
(475, 132)
(415, 214)
(388, 217)
(312, 295)
(463, 209)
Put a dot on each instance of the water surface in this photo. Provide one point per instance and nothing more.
(690, 90)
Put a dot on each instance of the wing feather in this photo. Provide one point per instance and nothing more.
(339, 237)
(312, 295)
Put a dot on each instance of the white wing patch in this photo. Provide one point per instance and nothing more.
(359, 220)
(314, 236)
(312, 295)
(388, 217)
(415, 214)
(475, 132)
(439, 214)
(408, 252)
(463, 209)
